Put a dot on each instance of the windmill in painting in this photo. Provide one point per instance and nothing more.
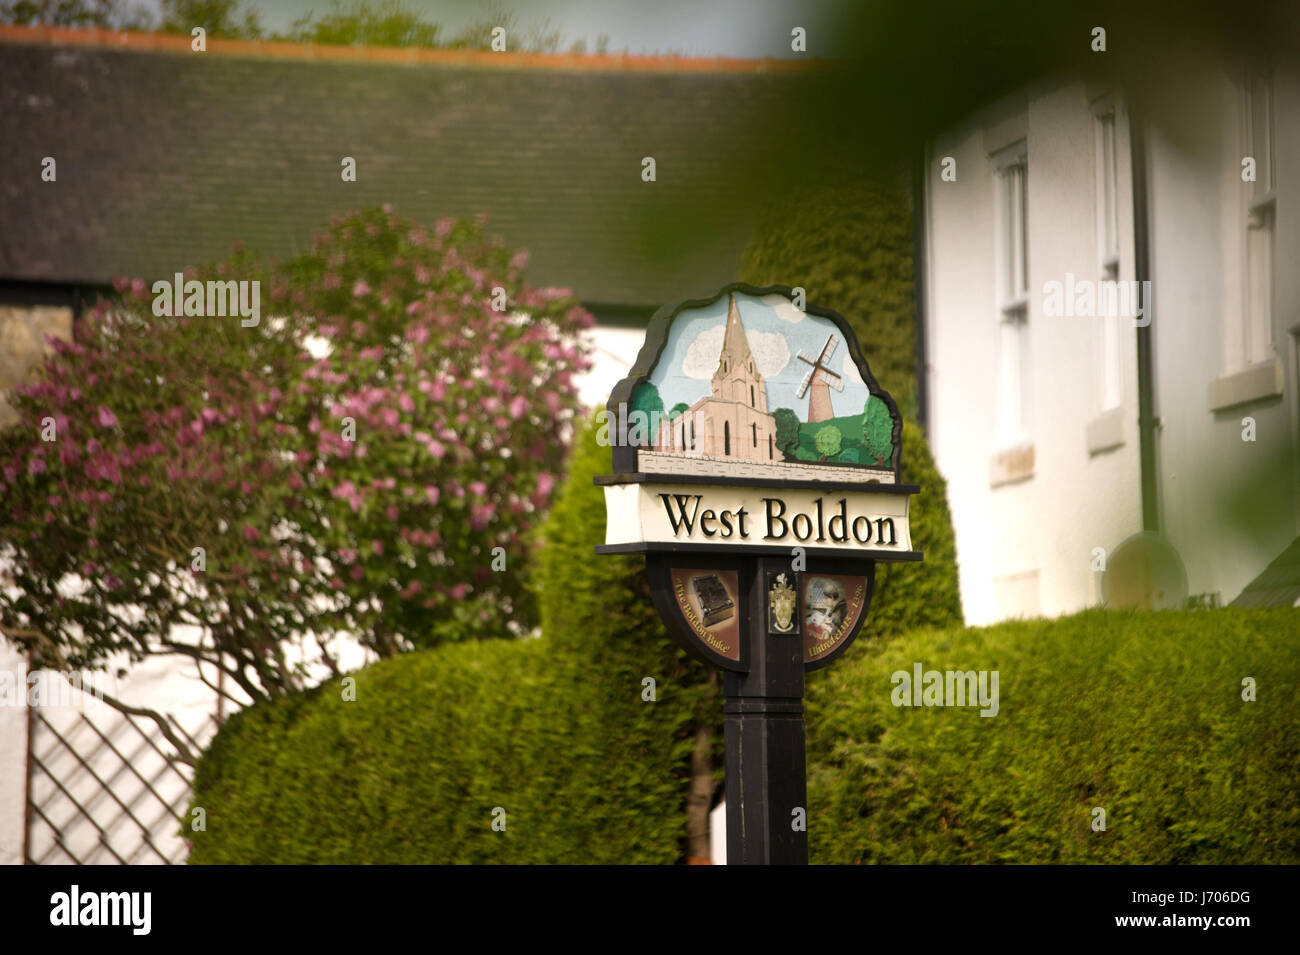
(822, 379)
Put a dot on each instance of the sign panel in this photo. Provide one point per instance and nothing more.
(709, 603)
(834, 607)
(751, 425)
(868, 523)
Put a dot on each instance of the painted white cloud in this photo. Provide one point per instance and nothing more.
(770, 350)
(783, 308)
(851, 374)
(701, 359)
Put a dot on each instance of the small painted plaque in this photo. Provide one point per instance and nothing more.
(833, 606)
(708, 601)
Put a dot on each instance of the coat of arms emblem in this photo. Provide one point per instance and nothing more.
(782, 601)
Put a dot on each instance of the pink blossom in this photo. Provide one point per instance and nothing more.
(106, 418)
(377, 547)
(406, 403)
(436, 449)
(458, 592)
(517, 407)
(431, 493)
(478, 488)
(545, 481)
(250, 533)
(36, 466)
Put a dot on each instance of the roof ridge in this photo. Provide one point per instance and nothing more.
(139, 42)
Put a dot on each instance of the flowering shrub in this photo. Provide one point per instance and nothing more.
(358, 461)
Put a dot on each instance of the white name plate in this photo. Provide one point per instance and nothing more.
(839, 519)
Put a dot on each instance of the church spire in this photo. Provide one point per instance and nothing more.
(735, 347)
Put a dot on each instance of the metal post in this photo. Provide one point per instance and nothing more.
(765, 788)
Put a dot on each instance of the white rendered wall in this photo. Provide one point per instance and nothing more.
(1198, 280)
(1075, 501)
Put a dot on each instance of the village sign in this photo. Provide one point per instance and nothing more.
(756, 466)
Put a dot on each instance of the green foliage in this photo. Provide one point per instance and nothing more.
(787, 429)
(850, 247)
(104, 14)
(220, 18)
(362, 23)
(828, 441)
(678, 410)
(877, 431)
(909, 596)
(554, 730)
(1139, 713)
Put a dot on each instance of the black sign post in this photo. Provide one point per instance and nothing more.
(761, 527)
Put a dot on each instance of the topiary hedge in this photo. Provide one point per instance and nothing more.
(1139, 713)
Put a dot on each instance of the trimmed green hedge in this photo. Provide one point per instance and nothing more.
(1138, 713)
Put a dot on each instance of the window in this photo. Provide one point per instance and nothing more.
(755, 427)
(771, 449)
(1011, 171)
(726, 439)
(1261, 216)
(1105, 165)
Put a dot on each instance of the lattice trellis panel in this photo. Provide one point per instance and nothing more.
(107, 790)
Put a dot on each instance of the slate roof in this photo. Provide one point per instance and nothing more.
(165, 156)
(1278, 585)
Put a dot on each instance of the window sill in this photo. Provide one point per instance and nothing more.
(1011, 465)
(1254, 383)
(1106, 431)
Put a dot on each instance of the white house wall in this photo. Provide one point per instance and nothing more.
(1198, 282)
(1027, 547)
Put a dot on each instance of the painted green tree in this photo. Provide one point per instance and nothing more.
(787, 429)
(645, 400)
(877, 431)
(828, 441)
(678, 410)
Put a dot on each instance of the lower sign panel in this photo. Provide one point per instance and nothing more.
(709, 601)
(834, 605)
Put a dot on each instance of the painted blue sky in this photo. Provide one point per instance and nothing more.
(776, 332)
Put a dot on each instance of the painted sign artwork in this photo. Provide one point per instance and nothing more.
(708, 602)
(833, 607)
(754, 387)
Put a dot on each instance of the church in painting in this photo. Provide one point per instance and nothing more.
(733, 423)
